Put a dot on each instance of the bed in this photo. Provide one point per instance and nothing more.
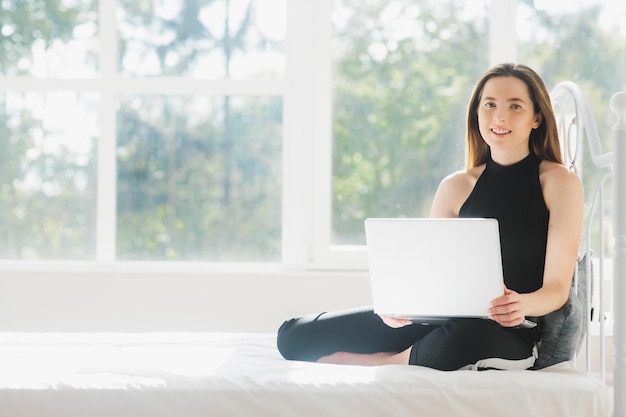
(242, 374)
(222, 374)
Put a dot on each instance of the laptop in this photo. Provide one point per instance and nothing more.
(433, 269)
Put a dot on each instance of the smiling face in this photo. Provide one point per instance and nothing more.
(506, 116)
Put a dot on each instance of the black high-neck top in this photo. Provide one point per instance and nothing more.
(512, 194)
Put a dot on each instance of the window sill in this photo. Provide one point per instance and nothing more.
(175, 268)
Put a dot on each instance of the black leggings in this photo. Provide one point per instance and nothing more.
(455, 344)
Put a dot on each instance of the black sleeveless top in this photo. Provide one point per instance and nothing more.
(512, 195)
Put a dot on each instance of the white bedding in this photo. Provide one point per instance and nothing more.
(223, 374)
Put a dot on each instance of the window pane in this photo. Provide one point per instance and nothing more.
(47, 176)
(199, 178)
(403, 72)
(48, 38)
(203, 38)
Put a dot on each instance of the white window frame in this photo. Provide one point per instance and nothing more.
(108, 84)
(324, 255)
(306, 90)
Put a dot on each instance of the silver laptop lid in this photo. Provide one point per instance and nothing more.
(426, 267)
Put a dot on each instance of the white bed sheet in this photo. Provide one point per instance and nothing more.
(242, 374)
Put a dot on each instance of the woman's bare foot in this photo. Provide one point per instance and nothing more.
(367, 359)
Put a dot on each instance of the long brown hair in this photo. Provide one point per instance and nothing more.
(544, 140)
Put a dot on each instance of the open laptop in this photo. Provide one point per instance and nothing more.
(428, 269)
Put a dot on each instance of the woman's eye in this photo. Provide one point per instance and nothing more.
(490, 105)
(516, 106)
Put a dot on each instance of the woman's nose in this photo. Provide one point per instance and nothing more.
(499, 115)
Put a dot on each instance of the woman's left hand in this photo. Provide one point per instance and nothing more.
(508, 309)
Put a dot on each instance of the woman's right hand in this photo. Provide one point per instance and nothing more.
(394, 322)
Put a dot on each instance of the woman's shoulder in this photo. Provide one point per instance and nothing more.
(463, 179)
(454, 190)
(558, 182)
(551, 172)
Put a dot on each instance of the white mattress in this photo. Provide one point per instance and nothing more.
(220, 374)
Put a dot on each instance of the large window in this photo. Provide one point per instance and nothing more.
(141, 130)
(247, 131)
(402, 74)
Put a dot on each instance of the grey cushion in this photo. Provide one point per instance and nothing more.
(563, 330)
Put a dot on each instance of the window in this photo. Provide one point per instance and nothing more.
(402, 72)
(256, 131)
(402, 75)
(142, 130)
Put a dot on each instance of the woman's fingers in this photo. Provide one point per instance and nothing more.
(508, 309)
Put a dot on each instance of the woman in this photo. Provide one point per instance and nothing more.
(515, 174)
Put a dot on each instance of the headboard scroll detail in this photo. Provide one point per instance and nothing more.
(573, 112)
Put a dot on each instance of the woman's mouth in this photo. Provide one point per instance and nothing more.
(500, 131)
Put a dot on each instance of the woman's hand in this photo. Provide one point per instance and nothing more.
(395, 322)
(508, 309)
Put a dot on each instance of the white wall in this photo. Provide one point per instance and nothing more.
(115, 301)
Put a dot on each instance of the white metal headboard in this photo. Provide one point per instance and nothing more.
(582, 121)
(618, 106)
(576, 121)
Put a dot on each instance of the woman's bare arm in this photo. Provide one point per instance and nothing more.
(563, 194)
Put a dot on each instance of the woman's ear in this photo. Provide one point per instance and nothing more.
(538, 120)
